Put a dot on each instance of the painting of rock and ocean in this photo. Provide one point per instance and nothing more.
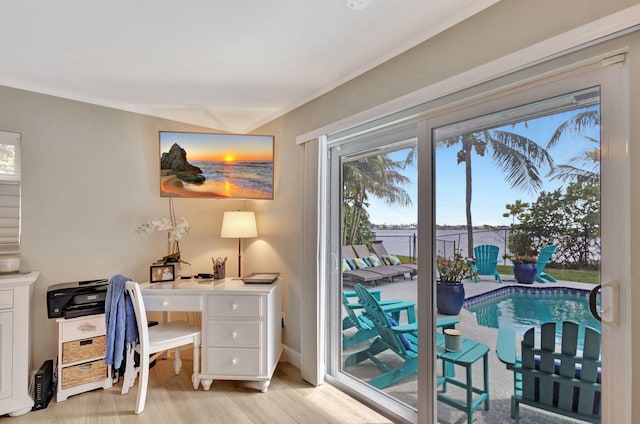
(216, 165)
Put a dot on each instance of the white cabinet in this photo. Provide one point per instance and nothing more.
(15, 339)
(242, 338)
(81, 352)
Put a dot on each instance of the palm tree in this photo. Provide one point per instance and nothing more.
(517, 156)
(576, 124)
(379, 176)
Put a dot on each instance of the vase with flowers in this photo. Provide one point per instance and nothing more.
(449, 289)
(177, 229)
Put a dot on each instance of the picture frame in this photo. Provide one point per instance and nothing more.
(162, 273)
(220, 166)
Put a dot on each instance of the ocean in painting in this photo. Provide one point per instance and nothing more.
(250, 176)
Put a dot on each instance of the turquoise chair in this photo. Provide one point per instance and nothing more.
(399, 339)
(364, 328)
(543, 259)
(486, 261)
(555, 377)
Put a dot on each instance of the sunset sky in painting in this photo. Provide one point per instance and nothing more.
(219, 147)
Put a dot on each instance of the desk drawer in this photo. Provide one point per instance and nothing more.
(233, 333)
(241, 306)
(6, 299)
(83, 328)
(173, 302)
(233, 362)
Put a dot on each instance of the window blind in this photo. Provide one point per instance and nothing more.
(9, 192)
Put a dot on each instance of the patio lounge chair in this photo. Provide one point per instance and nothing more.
(381, 251)
(543, 259)
(362, 251)
(358, 275)
(399, 339)
(565, 380)
(486, 260)
(384, 273)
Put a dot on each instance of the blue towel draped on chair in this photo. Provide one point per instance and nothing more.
(121, 325)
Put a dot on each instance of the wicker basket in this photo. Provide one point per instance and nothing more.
(78, 375)
(80, 350)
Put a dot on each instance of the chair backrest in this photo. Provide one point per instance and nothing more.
(545, 256)
(379, 249)
(575, 385)
(361, 250)
(348, 253)
(374, 312)
(486, 258)
(132, 289)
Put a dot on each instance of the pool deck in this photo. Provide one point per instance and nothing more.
(501, 380)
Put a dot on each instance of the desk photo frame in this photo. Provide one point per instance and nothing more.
(161, 273)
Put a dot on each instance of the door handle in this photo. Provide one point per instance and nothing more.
(607, 314)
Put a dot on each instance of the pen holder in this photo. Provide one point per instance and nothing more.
(219, 271)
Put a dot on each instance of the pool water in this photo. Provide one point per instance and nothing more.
(521, 310)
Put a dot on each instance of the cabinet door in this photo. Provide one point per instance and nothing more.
(6, 353)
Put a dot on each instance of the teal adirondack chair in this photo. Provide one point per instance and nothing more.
(557, 379)
(399, 339)
(543, 259)
(486, 260)
(364, 328)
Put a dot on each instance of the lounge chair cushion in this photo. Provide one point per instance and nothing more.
(361, 263)
(345, 266)
(374, 260)
(352, 263)
(403, 338)
(391, 260)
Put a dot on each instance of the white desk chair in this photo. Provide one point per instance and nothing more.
(154, 341)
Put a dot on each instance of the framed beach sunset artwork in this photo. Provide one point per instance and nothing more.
(225, 166)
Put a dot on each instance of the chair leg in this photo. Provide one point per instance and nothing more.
(142, 384)
(177, 362)
(129, 371)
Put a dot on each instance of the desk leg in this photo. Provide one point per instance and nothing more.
(165, 320)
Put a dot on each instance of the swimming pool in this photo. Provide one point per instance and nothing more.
(523, 307)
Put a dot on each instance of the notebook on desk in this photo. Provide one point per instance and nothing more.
(260, 278)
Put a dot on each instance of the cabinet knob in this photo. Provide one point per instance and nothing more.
(234, 361)
(234, 307)
(234, 335)
(165, 303)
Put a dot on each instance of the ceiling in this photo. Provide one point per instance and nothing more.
(230, 65)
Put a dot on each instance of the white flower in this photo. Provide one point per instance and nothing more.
(177, 230)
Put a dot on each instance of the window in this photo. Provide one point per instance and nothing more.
(9, 192)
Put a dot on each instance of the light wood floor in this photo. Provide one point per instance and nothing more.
(171, 399)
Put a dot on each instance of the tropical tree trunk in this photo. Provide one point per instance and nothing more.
(467, 167)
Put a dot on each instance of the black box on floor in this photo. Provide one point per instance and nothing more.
(43, 386)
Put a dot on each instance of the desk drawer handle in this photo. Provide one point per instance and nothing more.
(165, 303)
(234, 334)
(87, 327)
(234, 361)
(234, 306)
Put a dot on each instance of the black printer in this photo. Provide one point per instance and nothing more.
(77, 299)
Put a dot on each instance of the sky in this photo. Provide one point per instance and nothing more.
(491, 193)
(219, 147)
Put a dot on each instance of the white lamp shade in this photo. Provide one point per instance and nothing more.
(239, 224)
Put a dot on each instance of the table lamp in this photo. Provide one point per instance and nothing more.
(239, 224)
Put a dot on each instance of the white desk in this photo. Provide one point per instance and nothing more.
(241, 326)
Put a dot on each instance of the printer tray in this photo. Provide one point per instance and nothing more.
(86, 309)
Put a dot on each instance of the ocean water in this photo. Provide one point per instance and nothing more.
(248, 175)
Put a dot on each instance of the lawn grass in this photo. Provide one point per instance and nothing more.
(578, 275)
